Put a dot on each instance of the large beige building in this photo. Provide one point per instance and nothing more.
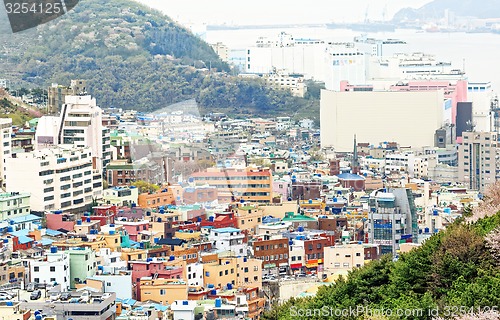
(409, 118)
(477, 159)
(344, 257)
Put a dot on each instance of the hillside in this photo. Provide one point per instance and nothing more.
(455, 271)
(134, 57)
(466, 8)
(18, 111)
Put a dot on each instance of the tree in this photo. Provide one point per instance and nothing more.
(145, 187)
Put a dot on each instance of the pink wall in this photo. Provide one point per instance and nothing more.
(54, 222)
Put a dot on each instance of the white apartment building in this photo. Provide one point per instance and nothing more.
(79, 124)
(297, 255)
(285, 81)
(481, 95)
(344, 62)
(14, 204)
(344, 257)
(5, 146)
(58, 178)
(228, 239)
(477, 159)
(120, 196)
(195, 274)
(55, 268)
(121, 283)
(295, 56)
(407, 162)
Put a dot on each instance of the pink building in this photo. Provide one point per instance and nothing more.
(151, 267)
(282, 188)
(135, 228)
(59, 220)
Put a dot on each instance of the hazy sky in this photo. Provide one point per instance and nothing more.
(278, 11)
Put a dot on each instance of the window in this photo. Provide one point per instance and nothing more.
(36, 269)
(163, 292)
(52, 269)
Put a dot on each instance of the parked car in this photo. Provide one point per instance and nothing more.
(31, 287)
(85, 297)
(35, 295)
(65, 296)
(54, 296)
(301, 275)
(7, 294)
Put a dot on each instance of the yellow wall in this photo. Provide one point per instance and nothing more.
(220, 274)
(164, 291)
(249, 219)
(278, 211)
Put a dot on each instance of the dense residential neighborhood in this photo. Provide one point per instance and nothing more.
(303, 178)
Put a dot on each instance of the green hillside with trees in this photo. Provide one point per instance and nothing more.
(455, 273)
(133, 57)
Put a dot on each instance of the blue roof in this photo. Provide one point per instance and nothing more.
(24, 239)
(20, 233)
(46, 242)
(226, 230)
(29, 217)
(53, 233)
(130, 301)
(350, 176)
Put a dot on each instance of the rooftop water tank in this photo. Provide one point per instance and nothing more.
(53, 249)
(88, 219)
(111, 232)
(172, 258)
(79, 222)
(300, 229)
(218, 302)
(229, 286)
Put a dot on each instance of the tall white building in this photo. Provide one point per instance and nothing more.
(54, 269)
(477, 159)
(79, 124)
(344, 62)
(301, 56)
(5, 145)
(481, 95)
(63, 177)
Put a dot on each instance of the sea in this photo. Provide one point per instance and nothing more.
(476, 53)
